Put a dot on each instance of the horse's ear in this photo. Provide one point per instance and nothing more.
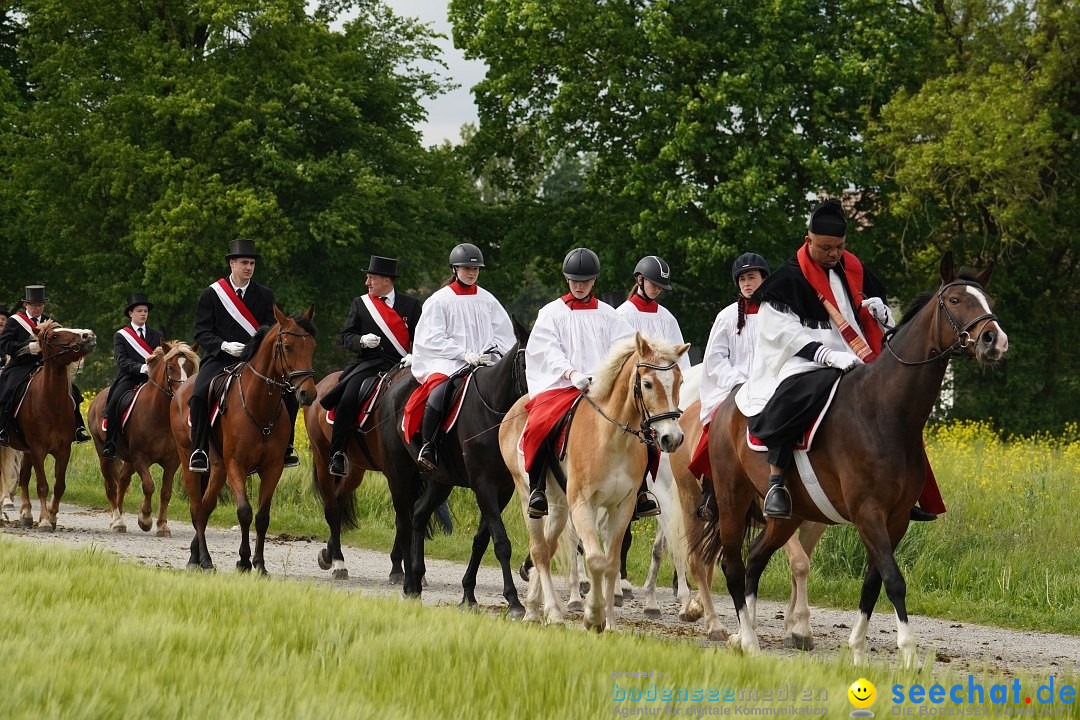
(310, 312)
(166, 347)
(279, 315)
(643, 346)
(521, 333)
(983, 278)
(194, 347)
(948, 274)
(681, 349)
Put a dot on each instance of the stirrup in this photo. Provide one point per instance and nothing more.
(538, 506)
(108, 451)
(199, 462)
(920, 515)
(339, 464)
(646, 505)
(291, 458)
(705, 509)
(81, 436)
(777, 503)
(427, 458)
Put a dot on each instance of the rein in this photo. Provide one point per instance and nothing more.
(647, 434)
(285, 383)
(964, 338)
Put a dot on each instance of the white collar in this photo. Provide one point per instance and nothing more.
(389, 297)
(137, 328)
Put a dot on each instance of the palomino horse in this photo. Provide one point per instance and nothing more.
(468, 458)
(338, 495)
(251, 435)
(638, 384)
(868, 454)
(142, 443)
(44, 424)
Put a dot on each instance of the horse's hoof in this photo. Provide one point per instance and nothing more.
(397, 578)
(26, 522)
(575, 606)
(164, 531)
(523, 572)
(733, 641)
(324, 559)
(652, 613)
(119, 528)
(146, 526)
(207, 567)
(243, 566)
(193, 565)
(515, 612)
(340, 574)
(583, 587)
(799, 642)
(627, 593)
(618, 599)
(466, 606)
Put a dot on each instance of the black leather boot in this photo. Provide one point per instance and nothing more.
(199, 462)
(920, 515)
(777, 500)
(707, 509)
(428, 457)
(339, 464)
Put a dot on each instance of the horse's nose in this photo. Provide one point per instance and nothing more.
(670, 441)
(993, 343)
(304, 397)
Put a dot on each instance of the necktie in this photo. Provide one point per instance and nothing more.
(141, 334)
(240, 293)
(384, 298)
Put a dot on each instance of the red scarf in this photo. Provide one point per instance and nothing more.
(643, 304)
(460, 288)
(818, 278)
(589, 303)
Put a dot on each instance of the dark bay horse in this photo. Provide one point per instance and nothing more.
(44, 424)
(145, 440)
(252, 433)
(469, 457)
(338, 495)
(868, 454)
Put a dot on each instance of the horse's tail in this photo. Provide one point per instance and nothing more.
(348, 516)
(706, 544)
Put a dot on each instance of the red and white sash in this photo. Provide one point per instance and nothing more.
(391, 324)
(235, 306)
(28, 325)
(136, 342)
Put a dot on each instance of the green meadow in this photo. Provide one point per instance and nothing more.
(1005, 554)
(92, 636)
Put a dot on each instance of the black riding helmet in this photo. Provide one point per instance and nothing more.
(746, 262)
(581, 264)
(655, 270)
(466, 255)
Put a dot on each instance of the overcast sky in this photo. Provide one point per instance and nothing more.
(449, 112)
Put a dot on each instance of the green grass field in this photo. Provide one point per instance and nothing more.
(1005, 554)
(91, 636)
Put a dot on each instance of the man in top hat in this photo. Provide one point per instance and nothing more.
(132, 345)
(4, 315)
(821, 314)
(379, 330)
(229, 313)
(18, 341)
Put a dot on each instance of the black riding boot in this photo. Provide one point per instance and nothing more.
(4, 440)
(81, 435)
(200, 421)
(646, 502)
(108, 451)
(428, 457)
(777, 500)
(293, 407)
(339, 440)
(538, 505)
(707, 509)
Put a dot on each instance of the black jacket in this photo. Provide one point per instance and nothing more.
(360, 323)
(214, 325)
(128, 361)
(13, 339)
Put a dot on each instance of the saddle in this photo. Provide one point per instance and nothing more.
(371, 389)
(218, 393)
(18, 393)
(125, 406)
(456, 396)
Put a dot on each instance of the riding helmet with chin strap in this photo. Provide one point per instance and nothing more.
(466, 255)
(747, 262)
(654, 269)
(581, 264)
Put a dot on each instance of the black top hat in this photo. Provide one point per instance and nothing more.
(137, 298)
(4, 311)
(385, 266)
(35, 294)
(242, 248)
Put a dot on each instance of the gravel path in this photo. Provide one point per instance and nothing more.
(960, 647)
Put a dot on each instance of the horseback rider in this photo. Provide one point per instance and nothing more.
(4, 315)
(19, 341)
(461, 323)
(821, 315)
(570, 339)
(380, 330)
(726, 362)
(132, 345)
(229, 313)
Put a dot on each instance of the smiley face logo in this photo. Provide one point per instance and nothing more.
(862, 693)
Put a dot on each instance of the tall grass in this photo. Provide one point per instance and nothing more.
(1006, 553)
(93, 637)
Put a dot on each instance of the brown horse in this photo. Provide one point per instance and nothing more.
(143, 442)
(637, 385)
(338, 495)
(868, 455)
(252, 433)
(44, 424)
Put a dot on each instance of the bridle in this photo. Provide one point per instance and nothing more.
(646, 434)
(169, 379)
(64, 348)
(964, 337)
(284, 381)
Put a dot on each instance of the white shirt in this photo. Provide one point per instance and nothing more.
(563, 339)
(780, 335)
(137, 328)
(660, 324)
(389, 297)
(727, 359)
(451, 325)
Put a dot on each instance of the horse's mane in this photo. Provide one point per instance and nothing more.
(304, 323)
(181, 348)
(254, 343)
(605, 375)
(46, 326)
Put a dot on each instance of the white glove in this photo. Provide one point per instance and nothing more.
(580, 380)
(370, 340)
(144, 369)
(473, 358)
(406, 361)
(838, 359)
(31, 348)
(879, 310)
(235, 349)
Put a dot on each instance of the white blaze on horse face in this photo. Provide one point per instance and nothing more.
(1001, 342)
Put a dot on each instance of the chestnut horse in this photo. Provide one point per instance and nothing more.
(638, 384)
(144, 441)
(251, 435)
(44, 424)
(868, 455)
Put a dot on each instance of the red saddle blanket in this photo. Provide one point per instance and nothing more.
(125, 409)
(545, 411)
